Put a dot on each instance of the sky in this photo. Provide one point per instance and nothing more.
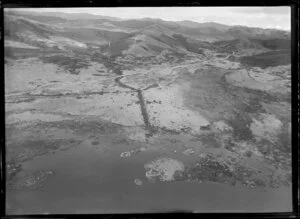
(264, 17)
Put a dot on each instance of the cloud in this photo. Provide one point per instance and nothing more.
(278, 10)
(285, 10)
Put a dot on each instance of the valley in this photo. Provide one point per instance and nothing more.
(106, 115)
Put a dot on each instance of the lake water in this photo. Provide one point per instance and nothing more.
(93, 179)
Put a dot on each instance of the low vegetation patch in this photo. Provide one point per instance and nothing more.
(267, 59)
(71, 64)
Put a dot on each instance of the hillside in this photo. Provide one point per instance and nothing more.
(100, 30)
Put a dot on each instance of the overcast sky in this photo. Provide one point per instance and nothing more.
(265, 17)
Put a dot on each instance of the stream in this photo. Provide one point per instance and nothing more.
(141, 102)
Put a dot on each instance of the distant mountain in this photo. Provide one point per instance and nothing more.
(193, 24)
(138, 37)
(80, 16)
(258, 33)
(67, 16)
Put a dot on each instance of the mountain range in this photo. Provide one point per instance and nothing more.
(78, 32)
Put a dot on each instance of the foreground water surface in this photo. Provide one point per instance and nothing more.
(93, 180)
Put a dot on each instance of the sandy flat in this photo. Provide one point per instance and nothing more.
(170, 112)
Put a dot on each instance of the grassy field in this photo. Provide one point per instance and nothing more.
(71, 64)
(264, 60)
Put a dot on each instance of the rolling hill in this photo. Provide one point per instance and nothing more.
(85, 33)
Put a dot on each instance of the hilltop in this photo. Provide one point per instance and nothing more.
(148, 37)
